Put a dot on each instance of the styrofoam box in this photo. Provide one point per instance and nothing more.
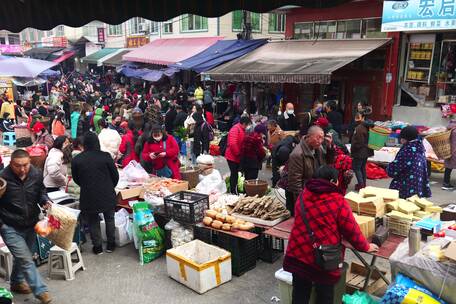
(199, 266)
(122, 237)
(285, 286)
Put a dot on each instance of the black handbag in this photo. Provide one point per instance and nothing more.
(327, 257)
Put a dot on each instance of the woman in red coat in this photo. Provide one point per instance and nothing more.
(162, 151)
(252, 153)
(127, 146)
(330, 218)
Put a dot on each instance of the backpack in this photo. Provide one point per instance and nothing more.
(223, 144)
(210, 134)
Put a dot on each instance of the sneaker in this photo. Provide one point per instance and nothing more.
(110, 248)
(448, 187)
(21, 288)
(97, 250)
(45, 298)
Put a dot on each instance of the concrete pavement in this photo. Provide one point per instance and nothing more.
(118, 277)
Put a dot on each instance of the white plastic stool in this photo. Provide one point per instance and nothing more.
(62, 262)
(6, 263)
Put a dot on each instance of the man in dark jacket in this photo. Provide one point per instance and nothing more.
(181, 116)
(335, 118)
(19, 213)
(314, 151)
(94, 171)
(170, 116)
(280, 155)
(288, 121)
(360, 150)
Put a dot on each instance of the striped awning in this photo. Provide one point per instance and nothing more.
(294, 61)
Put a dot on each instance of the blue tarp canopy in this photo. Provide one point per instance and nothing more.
(221, 52)
(147, 74)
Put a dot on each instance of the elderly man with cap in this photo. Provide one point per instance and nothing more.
(409, 169)
(288, 121)
(210, 179)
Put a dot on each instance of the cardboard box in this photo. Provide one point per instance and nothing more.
(182, 186)
(366, 224)
(370, 206)
(450, 252)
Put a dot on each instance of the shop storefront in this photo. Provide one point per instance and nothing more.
(427, 74)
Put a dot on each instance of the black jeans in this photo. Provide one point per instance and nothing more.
(93, 220)
(251, 174)
(302, 290)
(359, 167)
(291, 201)
(447, 176)
(234, 172)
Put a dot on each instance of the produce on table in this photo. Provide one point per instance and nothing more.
(265, 208)
(156, 185)
(218, 220)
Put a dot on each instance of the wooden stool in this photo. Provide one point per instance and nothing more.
(6, 263)
(62, 262)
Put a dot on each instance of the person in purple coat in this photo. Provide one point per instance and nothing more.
(409, 168)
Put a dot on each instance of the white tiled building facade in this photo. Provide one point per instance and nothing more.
(266, 25)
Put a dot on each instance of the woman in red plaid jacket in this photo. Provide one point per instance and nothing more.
(331, 220)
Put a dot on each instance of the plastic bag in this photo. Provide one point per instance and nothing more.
(211, 184)
(407, 291)
(5, 296)
(63, 221)
(38, 150)
(180, 235)
(240, 186)
(358, 297)
(134, 172)
(150, 237)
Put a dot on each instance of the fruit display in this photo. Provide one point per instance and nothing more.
(225, 222)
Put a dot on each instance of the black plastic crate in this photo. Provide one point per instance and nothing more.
(272, 248)
(204, 234)
(186, 207)
(243, 252)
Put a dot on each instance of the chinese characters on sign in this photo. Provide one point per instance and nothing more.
(137, 41)
(416, 15)
(101, 34)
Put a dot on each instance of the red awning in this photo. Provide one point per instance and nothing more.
(64, 57)
(170, 51)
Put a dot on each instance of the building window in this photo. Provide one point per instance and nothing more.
(14, 39)
(115, 30)
(372, 28)
(154, 27)
(51, 32)
(138, 25)
(349, 29)
(325, 29)
(40, 35)
(168, 27)
(238, 21)
(2, 40)
(191, 22)
(59, 31)
(304, 30)
(276, 23)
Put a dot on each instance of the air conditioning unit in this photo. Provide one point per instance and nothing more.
(142, 27)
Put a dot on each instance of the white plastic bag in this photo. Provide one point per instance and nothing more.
(211, 184)
(134, 172)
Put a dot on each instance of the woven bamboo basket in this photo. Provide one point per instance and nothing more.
(22, 131)
(191, 176)
(441, 144)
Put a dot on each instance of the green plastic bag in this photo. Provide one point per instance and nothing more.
(5, 294)
(358, 297)
(240, 186)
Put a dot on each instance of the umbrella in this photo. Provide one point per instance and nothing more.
(23, 67)
(28, 82)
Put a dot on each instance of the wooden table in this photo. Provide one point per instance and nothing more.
(384, 252)
(281, 230)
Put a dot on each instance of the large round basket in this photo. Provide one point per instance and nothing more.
(22, 131)
(441, 144)
(378, 137)
(255, 187)
(191, 176)
(38, 161)
(2, 186)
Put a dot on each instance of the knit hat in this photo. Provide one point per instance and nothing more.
(137, 111)
(106, 108)
(322, 122)
(38, 127)
(205, 159)
(409, 133)
(34, 112)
